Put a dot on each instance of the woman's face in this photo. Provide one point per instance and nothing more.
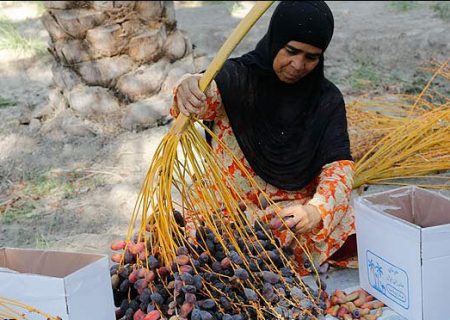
(296, 60)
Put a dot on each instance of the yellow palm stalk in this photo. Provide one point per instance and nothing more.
(11, 309)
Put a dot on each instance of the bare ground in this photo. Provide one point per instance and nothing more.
(72, 193)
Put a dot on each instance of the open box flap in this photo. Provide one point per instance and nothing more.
(95, 292)
(415, 205)
(431, 208)
(46, 263)
(395, 202)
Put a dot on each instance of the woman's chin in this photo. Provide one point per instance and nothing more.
(288, 79)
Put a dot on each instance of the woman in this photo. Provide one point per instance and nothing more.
(287, 124)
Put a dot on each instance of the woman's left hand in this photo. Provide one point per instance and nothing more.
(299, 218)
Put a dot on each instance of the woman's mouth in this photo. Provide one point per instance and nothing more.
(292, 77)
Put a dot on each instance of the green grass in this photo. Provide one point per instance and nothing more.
(19, 213)
(66, 186)
(10, 38)
(439, 86)
(5, 102)
(39, 187)
(364, 77)
(41, 242)
(43, 187)
(442, 10)
(418, 82)
(403, 5)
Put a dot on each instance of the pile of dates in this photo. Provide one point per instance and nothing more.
(211, 280)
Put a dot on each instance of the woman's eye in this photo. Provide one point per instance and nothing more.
(312, 58)
(290, 51)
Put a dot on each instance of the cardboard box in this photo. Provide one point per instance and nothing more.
(73, 286)
(404, 250)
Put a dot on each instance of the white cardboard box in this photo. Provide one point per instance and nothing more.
(404, 250)
(73, 286)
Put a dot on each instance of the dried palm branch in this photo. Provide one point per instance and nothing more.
(11, 309)
(415, 142)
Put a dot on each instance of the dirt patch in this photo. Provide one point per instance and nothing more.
(72, 193)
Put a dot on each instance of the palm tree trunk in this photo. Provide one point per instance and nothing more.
(114, 62)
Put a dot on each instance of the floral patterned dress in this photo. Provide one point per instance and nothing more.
(330, 191)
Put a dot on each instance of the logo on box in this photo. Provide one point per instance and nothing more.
(388, 279)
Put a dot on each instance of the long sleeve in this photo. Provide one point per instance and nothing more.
(332, 196)
(213, 107)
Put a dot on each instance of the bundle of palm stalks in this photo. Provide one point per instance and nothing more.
(405, 137)
(196, 248)
(11, 309)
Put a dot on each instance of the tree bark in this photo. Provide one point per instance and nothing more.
(109, 56)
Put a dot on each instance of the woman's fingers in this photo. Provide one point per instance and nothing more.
(289, 240)
(190, 108)
(189, 97)
(191, 92)
(290, 217)
(294, 218)
(181, 107)
(270, 210)
(292, 222)
(279, 219)
(185, 107)
(194, 88)
(301, 227)
(193, 101)
(286, 212)
(184, 103)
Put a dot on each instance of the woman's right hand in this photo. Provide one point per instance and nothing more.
(190, 99)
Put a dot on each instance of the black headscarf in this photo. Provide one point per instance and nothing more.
(287, 132)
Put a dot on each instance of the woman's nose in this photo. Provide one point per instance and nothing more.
(298, 63)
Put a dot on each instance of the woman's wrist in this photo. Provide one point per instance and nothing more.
(314, 213)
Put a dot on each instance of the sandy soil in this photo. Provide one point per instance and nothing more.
(77, 194)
